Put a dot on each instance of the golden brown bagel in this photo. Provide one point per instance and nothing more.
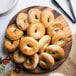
(44, 42)
(46, 60)
(54, 28)
(47, 18)
(29, 46)
(56, 51)
(11, 46)
(60, 39)
(18, 57)
(36, 30)
(34, 15)
(31, 62)
(13, 33)
(22, 21)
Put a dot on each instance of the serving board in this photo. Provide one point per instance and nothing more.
(67, 47)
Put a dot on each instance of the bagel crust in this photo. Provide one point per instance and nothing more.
(31, 62)
(54, 28)
(36, 30)
(13, 33)
(18, 57)
(46, 60)
(60, 39)
(56, 51)
(11, 46)
(34, 15)
(44, 42)
(47, 18)
(29, 46)
(22, 21)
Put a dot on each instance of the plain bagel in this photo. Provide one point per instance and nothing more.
(22, 21)
(28, 45)
(36, 30)
(11, 46)
(34, 15)
(46, 60)
(60, 39)
(13, 33)
(56, 51)
(18, 57)
(31, 62)
(54, 28)
(44, 42)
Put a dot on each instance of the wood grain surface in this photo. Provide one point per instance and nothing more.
(67, 47)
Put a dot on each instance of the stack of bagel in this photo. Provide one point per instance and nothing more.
(36, 39)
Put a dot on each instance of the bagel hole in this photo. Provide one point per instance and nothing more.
(38, 53)
(25, 33)
(45, 31)
(19, 53)
(36, 17)
(11, 42)
(25, 21)
(54, 53)
(56, 30)
(13, 29)
(36, 30)
(43, 60)
(29, 61)
(48, 20)
(60, 40)
(28, 45)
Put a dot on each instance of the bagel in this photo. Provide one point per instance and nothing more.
(11, 46)
(13, 33)
(60, 39)
(31, 62)
(47, 18)
(56, 51)
(44, 42)
(18, 57)
(54, 28)
(36, 30)
(29, 46)
(34, 15)
(22, 21)
(46, 60)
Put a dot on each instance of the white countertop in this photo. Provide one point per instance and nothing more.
(4, 20)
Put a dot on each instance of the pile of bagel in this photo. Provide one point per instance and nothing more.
(36, 39)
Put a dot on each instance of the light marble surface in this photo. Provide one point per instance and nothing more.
(4, 20)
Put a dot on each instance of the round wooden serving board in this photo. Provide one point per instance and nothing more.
(67, 47)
